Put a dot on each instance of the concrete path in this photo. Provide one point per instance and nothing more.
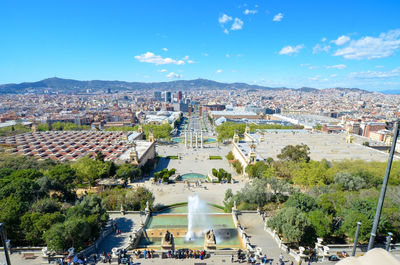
(126, 223)
(254, 227)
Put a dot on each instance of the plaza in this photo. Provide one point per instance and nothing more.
(332, 147)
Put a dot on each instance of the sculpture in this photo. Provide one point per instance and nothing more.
(209, 240)
(210, 236)
(167, 240)
(167, 236)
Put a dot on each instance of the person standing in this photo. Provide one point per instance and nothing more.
(232, 258)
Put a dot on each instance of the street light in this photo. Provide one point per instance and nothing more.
(356, 238)
(3, 240)
(383, 189)
(388, 240)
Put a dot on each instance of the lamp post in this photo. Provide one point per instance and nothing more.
(356, 238)
(383, 189)
(388, 240)
(3, 240)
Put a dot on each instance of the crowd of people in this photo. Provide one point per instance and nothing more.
(187, 254)
(255, 259)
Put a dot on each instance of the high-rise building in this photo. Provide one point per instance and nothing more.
(167, 97)
(179, 95)
(157, 95)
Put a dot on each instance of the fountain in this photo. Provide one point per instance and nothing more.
(196, 216)
(197, 225)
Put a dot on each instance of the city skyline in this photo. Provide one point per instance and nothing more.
(273, 44)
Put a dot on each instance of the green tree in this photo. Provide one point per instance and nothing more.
(35, 224)
(295, 153)
(256, 170)
(294, 226)
(348, 182)
(128, 171)
(43, 127)
(136, 199)
(26, 173)
(321, 222)
(12, 208)
(310, 174)
(89, 170)
(55, 238)
(46, 205)
(301, 201)
(230, 156)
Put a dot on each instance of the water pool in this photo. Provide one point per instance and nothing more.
(193, 177)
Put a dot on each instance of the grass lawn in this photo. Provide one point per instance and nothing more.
(215, 158)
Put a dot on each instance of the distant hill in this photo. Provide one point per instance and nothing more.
(68, 86)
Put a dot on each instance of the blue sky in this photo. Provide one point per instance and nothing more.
(273, 43)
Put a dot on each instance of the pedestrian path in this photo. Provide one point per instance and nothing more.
(126, 223)
(254, 227)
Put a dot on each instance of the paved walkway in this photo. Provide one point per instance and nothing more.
(126, 223)
(254, 227)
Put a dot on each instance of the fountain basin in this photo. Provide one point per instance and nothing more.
(193, 177)
(227, 236)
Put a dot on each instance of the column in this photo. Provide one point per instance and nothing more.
(196, 140)
(201, 139)
(185, 138)
(191, 139)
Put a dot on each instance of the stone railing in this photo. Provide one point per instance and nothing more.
(139, 233)
(282, 246)
(242, 233)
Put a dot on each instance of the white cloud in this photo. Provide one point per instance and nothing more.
(187, 60)
(341, 40)
(226, 31)
(278, 17)
(165, 49)
(337, 66)
(315, 78)
(288, 50)
(376, 74)
(250, 11)
(379, 66)
(333, 75)
(163, 70)
(237, 24)
(205, 54)
(224, 18)
(150, 57)
(323, 39)
(227, 55)
(219, 71)
(174, 75)
(321, 48)
(372, 47)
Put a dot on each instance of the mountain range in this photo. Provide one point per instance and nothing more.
(69, 86)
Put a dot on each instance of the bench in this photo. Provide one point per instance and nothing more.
(29, 256)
